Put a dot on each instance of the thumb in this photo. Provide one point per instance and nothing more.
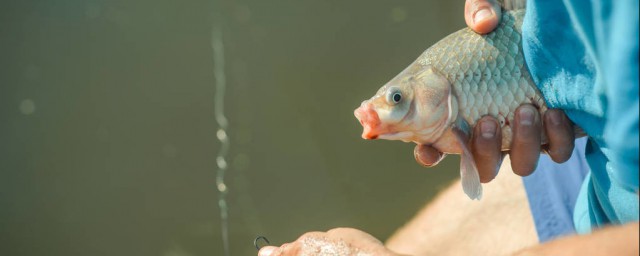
(482, 16)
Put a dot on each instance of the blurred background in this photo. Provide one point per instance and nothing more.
(108, 136)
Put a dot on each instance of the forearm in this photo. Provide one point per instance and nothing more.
(499, 224)
(615, 240)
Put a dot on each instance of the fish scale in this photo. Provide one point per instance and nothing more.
(488, 73)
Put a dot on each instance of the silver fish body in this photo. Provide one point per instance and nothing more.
(488, 73)
(454, 83)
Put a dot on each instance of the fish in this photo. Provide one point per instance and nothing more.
(439, 97)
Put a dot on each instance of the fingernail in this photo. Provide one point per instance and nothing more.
(481, 14)
(526, 115)
(488, 129)
(555, 117)
(266, 251)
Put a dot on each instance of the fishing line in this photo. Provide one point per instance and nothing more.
(220, 80)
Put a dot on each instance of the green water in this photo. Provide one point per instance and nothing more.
(108, 138)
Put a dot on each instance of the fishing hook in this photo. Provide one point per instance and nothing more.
(255, 241)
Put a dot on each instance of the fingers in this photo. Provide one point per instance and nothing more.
(303, 244)
(482, 15)
(267, 251)
(306, 243)
(560, 134)
(427, 155)
(486, 148)
(525, 146)
(337, 241)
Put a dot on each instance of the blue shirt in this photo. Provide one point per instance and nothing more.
(552, 191)
(583, 55)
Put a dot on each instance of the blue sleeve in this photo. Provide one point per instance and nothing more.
(583, 56)
(619, 54)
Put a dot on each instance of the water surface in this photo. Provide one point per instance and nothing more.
(108, 134)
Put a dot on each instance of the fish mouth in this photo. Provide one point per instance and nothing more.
(369, 120)
(373, 127)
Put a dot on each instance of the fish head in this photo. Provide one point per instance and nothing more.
(386, 113)
(414, 106)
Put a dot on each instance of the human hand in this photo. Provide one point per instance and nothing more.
(337, 241)
(525, 145)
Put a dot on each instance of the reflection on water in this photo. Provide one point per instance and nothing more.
(217, 46)
(110, 137)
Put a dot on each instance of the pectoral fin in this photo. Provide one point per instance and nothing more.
(468, 170)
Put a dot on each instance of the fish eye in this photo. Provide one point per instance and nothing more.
(397, 97)
(394, 96)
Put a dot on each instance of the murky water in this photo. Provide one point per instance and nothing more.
(109, 137)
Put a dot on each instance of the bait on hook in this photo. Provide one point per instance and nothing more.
(255, 241)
